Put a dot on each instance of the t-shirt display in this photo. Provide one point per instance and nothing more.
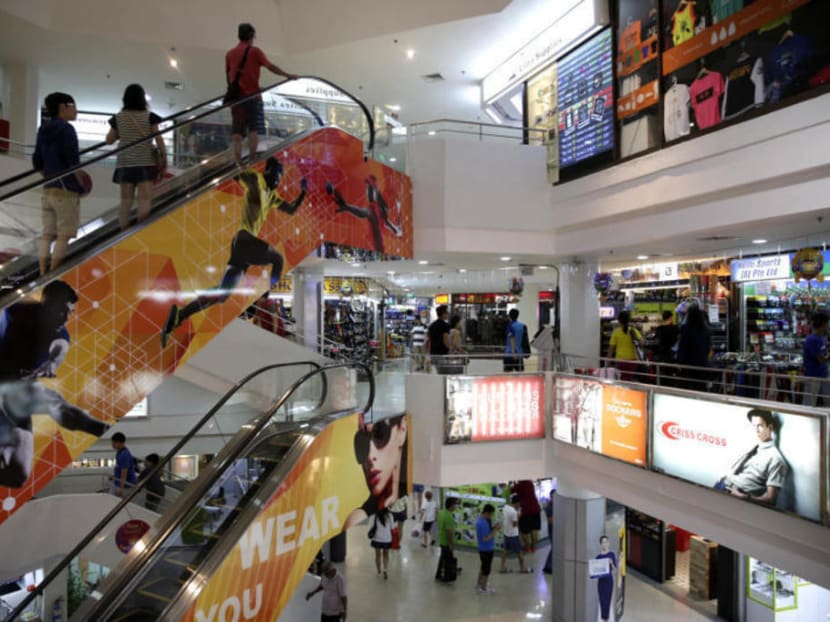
(585, 84)
(744, 87)
(788, 66)
(676, 112)
(683, 22)
(705, 94)
(721, 9)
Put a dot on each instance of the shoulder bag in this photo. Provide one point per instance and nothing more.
(232, 94)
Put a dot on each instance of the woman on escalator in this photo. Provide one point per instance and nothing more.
(138, 166)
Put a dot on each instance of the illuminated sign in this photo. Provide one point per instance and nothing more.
(727, 447)
(769, 268)
(606, 419)
(496, 408)
(580, 20)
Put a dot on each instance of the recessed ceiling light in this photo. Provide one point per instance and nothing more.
(391, 272)
(431, 133)
(174, 63)
(423, 262)
(393, 107)
(410, 53)
(393, 159)
(759, 241)
(642, 257)
(544, 267)
(505, 258)
(462, 270)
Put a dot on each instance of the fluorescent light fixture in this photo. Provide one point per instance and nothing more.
(391, 273)
(174, 63)
(493, 115)
(393, 107)
(431, 133)
(410, 53)
(462, 270)
(399, 131)
(642, 257)
(423, 262)
(759, 241)
(544, 267)
(505, 258)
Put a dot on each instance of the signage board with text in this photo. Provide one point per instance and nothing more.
(743, 450)
(607, 419)
(495, 408)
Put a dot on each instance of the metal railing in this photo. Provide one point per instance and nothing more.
(475, 129)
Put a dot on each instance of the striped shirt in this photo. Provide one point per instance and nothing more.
(133, 125)
(418, 335)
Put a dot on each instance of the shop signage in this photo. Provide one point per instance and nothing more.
(580, 18)
(336, 286)
(497, 408)
(312, 89)
(723, 446)
(92, 126)
(442, 299)
(735, 27)
(607, 419)
(761, 268)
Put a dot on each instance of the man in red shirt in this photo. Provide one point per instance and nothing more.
(530, 520)
(245, 114)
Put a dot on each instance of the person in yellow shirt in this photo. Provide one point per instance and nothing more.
(623, 346)
(261, 196)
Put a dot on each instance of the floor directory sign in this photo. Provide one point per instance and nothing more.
(586, 101)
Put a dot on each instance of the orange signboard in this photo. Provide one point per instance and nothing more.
(638, 100)
(111, 329)
(325, 493)
(735, 27)
(624, 424)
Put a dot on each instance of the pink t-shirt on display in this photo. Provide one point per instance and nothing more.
(706, 93)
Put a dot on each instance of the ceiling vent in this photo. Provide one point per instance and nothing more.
(432, 77)
(174, 85)
(719, 238)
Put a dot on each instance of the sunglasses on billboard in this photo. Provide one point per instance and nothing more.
(380, 435)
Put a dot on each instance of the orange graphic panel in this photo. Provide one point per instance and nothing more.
(180, 281)
(624, 424)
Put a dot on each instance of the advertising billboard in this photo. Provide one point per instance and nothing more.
(333, 486)
(770, 455)
(607, 419)
(497, 408)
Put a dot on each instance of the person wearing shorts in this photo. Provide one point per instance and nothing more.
(428, 510)
(56, 151)
(510, 528)
(486, 537)
(245, 114)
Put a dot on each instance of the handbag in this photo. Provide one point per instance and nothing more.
(232, 93)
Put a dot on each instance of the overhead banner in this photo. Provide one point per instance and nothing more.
(607, 419)
(330, 489)
(498, 408)
(772, 456)
(83, 350)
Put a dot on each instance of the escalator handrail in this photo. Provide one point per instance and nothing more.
(125, 501)
(193, 494)
(190, 119)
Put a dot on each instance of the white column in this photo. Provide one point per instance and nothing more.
(579, 308)
(308, 303)
(21, 101)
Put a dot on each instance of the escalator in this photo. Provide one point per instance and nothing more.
(141, 302)
(170, 567)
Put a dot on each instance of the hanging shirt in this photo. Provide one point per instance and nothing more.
(788, 67)
(684, 24)
(705, 93)
(721, 9)
(744, 87)
(676, 112)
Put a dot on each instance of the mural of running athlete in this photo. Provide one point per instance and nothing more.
(33, 343)
(261, 196)
(376, 211)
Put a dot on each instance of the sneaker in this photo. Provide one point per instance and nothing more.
(479, 590)
(490, 590)
(170, 325)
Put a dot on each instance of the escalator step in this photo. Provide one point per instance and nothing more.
(161, 588)
(136, 615)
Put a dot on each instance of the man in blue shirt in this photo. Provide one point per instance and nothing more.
(815, 362)
(486, 536)
(124, 475)
(515, 339)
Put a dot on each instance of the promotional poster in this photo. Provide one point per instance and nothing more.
(84, 349)
(609, 420)
(771, 455)
(331, 488)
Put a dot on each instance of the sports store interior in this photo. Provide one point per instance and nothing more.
(571, 160)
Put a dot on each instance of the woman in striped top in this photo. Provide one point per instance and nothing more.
(136, 167)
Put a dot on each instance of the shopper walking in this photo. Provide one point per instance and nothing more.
(693, 350)
(623, 347)
(381, 535)
(447, 566)
(428, 509)
(530, 520)
(815, 362)
(516, 336)
(242, 68)
(124, 476)
(486, 538)
(137, 167)
(417, 339)
(55, 152)
(510, 528)
(154, 488)
(438, 339)
(335, 601)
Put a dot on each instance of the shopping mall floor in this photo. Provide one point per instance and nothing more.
(411, 592)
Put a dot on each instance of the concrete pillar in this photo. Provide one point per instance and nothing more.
(579, 307)
(578, 523)
(308, 304)
(21, 101)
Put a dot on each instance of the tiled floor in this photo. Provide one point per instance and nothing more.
(411, 593)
